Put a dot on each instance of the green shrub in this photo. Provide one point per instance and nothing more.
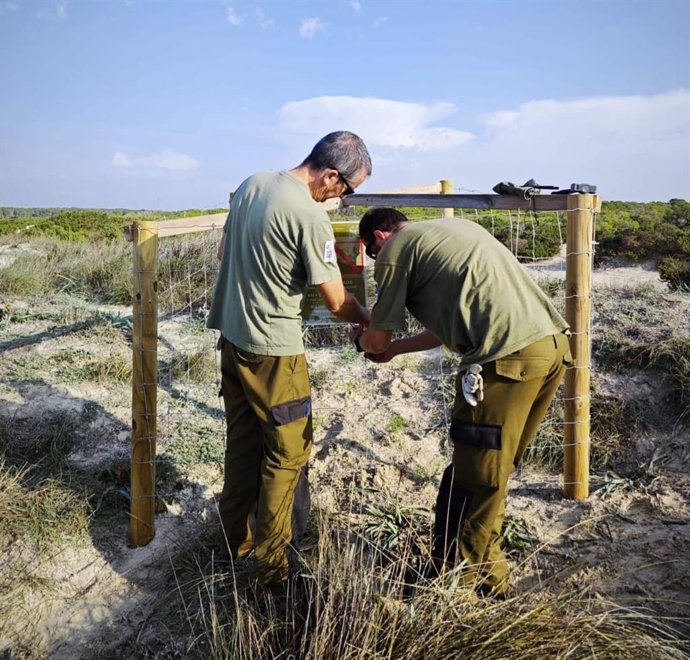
(72, 225)
(675, 271)
(643, 231)
(81, 224)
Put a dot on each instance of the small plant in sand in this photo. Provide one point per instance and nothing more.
(518, 539)
(397, 424)
(319, 377)
(395, 525)
(426, 473)
(348, 355)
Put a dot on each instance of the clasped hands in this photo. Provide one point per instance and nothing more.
(355, 332)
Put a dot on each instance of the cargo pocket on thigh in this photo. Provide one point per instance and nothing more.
(293, 430)
(477, 453)
(287, 412)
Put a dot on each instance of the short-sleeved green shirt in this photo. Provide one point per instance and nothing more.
(278, 240)
(465, 286)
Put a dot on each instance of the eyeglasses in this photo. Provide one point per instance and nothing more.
(349, 190)
(369, 249)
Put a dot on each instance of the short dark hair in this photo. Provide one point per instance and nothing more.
(383, 219)
(342, 151)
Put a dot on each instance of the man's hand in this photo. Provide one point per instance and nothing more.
(355, 331)
(380, 358)
(473, 385)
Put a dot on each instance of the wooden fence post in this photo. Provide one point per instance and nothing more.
(144, 382)
(447, 189)
(578, 283)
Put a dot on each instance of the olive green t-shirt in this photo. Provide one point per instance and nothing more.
(465, 286)
(278, 241)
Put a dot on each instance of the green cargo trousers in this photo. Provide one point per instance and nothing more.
(489, 441)
(269, 438)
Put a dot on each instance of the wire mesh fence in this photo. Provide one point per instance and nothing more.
(190, 420)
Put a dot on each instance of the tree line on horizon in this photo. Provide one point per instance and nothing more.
(635, 231)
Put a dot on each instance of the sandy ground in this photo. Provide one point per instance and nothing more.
(380, 438)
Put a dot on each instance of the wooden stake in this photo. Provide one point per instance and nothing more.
(447, 189)
(578, 282)
(144, 382)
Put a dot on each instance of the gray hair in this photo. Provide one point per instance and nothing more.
(342, 151)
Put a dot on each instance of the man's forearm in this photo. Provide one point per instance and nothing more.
(352, 311)
(420, 342)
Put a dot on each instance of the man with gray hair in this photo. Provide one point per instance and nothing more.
(276, 241)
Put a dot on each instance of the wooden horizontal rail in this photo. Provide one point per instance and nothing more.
(479, 202)
(180, 226)
(190, 225)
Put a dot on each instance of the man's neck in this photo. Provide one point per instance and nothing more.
(304, 174)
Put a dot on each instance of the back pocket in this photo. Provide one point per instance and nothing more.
(523, 368)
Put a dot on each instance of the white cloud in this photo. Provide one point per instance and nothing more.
(634, 148)
(378, 22)
(7, 6)
(355, 4)
(264, 21)
(310, 26)
(58, 11)
(234, 18)
(380, 122)
(168, 159)
(121, 160)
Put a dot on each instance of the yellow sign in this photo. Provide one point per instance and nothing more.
(350, 254)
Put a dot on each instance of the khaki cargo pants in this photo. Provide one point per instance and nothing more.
(489, 441)
(269, 438)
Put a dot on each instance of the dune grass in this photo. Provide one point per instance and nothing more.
(645, 330)
(353, 599)
(102, 270)
(40, 515)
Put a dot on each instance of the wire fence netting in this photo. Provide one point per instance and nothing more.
(191, 424)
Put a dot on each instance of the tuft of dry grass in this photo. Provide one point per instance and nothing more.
(613, 424)
(673, 355)
(643, 329)
(37, 520)
(78, 365)
(351, 599)
(102, 269)
(40, 516)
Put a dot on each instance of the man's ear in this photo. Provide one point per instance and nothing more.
(330, 176)
(381, 235)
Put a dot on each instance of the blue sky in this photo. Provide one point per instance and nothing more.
(171, 103)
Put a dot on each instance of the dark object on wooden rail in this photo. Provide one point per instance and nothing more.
(527, 190)
(583, 188)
